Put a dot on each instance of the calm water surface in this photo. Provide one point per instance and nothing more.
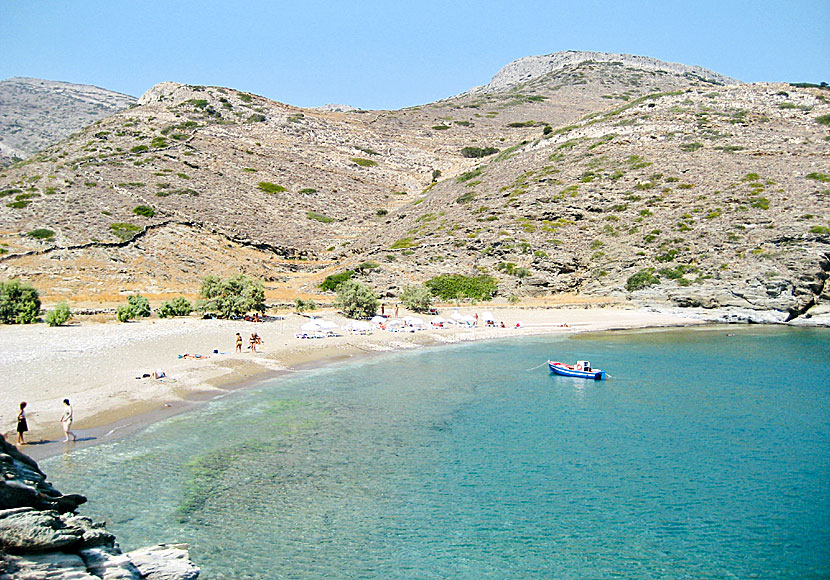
(704, 456)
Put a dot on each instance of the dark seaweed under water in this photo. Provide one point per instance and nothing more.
(704, 456)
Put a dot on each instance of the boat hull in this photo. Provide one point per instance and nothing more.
(566, 371)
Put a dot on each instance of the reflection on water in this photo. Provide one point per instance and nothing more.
(696, 459)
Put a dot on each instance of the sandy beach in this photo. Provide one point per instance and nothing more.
(106, 368)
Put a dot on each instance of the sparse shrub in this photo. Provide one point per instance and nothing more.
(144, 210)
(179, 306)
(356, 300)
(440, 127)
(364, 162)
(308, 191)
(820, 230)
(235, 296)
(158, 143)
(139, 149)
(124, 313)
(334, 280)
(465, 197)
(303, 305)
(125, 231)
(690, 147)
(139, 305)
(469, 175)
(59, 315)
(365, 267)
(19, 303)
(436, 173)
(41, 234)
(477, 152)
(404, 243)
(818, 176)
(268, 187)
(456, 286)
(642, 279)
(823, 120)
(256, 118)
(317, 216)
(416, 298)
(382, 212)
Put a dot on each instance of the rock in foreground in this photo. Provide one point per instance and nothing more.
(42, 536)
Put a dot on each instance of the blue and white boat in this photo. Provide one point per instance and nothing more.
(581, 370)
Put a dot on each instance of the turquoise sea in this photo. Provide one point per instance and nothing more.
(706, 455)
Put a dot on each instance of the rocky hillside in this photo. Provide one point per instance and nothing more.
(42, 536)
(36, 113)
(604, 175)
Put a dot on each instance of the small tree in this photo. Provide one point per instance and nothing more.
(19, 303)
(235, 296)
(356, 300)
(59, 315)
(179, 306)
(139, 305)
(416, 298)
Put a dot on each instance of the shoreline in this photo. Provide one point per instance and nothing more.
(113, 357)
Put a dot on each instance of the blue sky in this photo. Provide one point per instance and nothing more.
(375, 54)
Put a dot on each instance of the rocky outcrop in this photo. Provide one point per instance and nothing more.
(41, 536)
(531, 67)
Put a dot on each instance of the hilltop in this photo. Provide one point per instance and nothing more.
(36, 113)
(600, 175)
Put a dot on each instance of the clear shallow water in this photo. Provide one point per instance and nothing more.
(704, 456)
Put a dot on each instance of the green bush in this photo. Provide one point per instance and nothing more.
(455, 286)
(823, 120)
(179, 306)
(144, 210)
(317, 216)
(256, 118)
(416, 298)
(477, 152)
(59, 315)
(364, 162)
(333, 281)
(139, 149)
(41, 234)
(303, 305)
(271, 187)
(139, 305)
(19, 303)
(468, 175)
(125, 231)
(356, 300)
(818, 176)
(235, 296)
(124, 313)
(642, 279)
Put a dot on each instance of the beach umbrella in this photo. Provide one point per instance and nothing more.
(457, 316)
(310, 327)
(415, 321)
(378, 319)
(361, 325)
(395, 322)
(468, 319)
(488, 316)
(327, 325)
(439, 320)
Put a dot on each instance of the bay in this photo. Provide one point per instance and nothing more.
(704, 455)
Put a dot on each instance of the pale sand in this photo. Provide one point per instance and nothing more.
(95, 365)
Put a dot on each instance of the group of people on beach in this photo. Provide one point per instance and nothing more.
(253, 342)
(65, 421)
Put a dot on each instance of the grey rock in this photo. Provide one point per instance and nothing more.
(164, 562)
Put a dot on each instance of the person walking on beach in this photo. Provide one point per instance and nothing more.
(22, 426)
(66, 421)
(238, 342)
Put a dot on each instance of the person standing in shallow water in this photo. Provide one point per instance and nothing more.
(22, 425)
(66, 421)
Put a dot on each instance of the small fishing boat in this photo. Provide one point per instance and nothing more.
(582, 370)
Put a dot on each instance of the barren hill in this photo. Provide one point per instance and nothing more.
(574, 178)
(35, 113)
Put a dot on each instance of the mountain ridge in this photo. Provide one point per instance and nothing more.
(557, 184)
